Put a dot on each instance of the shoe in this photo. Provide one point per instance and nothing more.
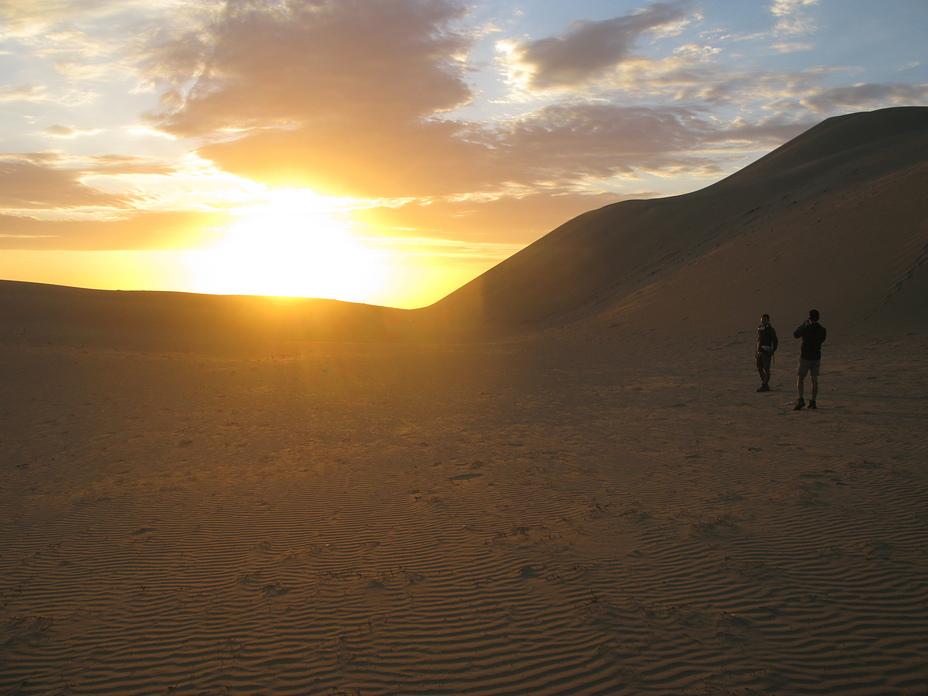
(764, 387)
(812, 404)
(799, 405)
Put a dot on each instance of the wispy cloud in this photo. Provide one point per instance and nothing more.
(23, 93)
(34, 182)
(59, 131)
(792, 17)
(588, 49)
(97, 230)
(865, 96)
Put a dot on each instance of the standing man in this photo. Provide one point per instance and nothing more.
(766, 345)
(813, 336)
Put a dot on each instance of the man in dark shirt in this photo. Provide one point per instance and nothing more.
(813, 336)
(766, 345)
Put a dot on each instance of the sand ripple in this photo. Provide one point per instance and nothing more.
(677, 550)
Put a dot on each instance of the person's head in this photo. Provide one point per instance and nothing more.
(813, 315)
(764, 318)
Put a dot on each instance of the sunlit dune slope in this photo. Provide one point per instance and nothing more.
(836, 219)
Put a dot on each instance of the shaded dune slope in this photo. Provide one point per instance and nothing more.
(837, 217)
(185, 321)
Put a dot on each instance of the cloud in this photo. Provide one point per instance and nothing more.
(556, 147)
(27, 18)
(115, 165)
(345, 97)
(293, 63)
(568, 141)
(792, 19)
(67, 53)
(508, 219)
(58, 131)
(23, 93)
(766, 134)
(29, 182)
(51, 187)
(340, 95)
(866, 96)
(792, 47)
(382, 158)
(588, 49)
(146, 230)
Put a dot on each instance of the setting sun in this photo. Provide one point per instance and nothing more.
(293, 247)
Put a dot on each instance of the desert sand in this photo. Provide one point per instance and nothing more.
(494, 495)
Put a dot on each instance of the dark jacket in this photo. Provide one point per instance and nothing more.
(766, 336)
(813, 336)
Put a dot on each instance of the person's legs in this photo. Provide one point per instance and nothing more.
(763, 369)
(813, 375)
(800, 379)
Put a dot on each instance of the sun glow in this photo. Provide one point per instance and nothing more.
(290, 247)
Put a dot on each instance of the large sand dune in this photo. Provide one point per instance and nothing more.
(835, 218)
(239, 496)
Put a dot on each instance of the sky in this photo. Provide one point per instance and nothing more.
(389, 151)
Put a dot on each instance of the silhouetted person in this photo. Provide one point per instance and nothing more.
(813, 336)
(766, 346)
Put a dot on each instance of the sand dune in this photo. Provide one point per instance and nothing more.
(600, 505)
(835, 218)
(184, 321)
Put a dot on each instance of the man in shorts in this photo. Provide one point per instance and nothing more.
(813, 336)
(766, 345)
